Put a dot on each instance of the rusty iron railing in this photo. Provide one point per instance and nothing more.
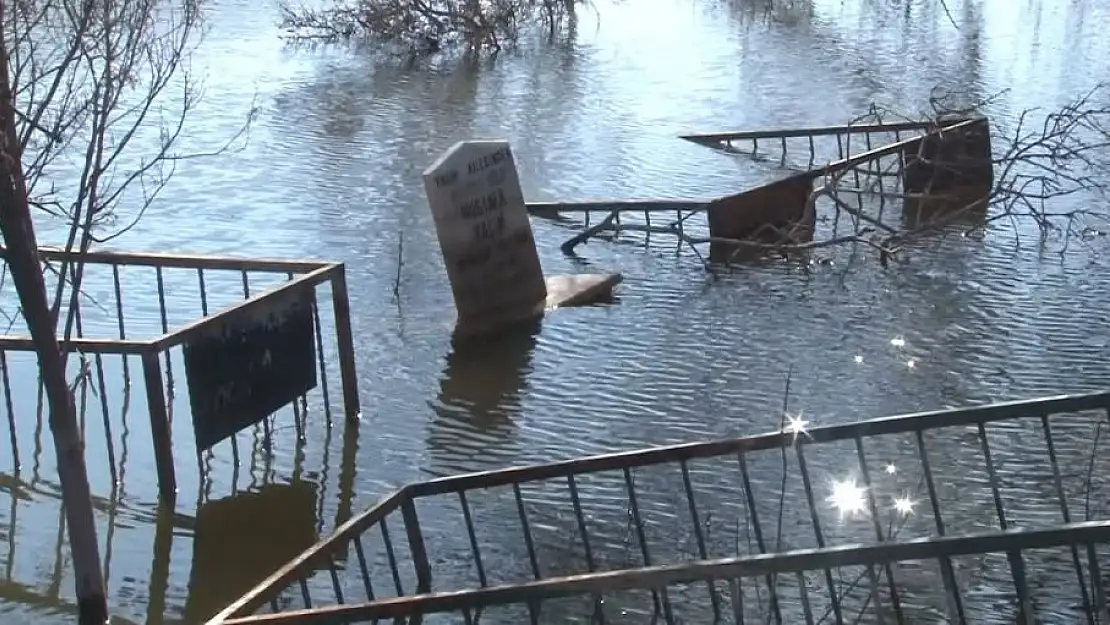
(868, 164)
(849, 138)
(738, 530)
(283, 276)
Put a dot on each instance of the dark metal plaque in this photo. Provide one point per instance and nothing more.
(249, 363)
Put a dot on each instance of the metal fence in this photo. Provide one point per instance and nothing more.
(852, 173)
(969, 515)
(282, 278)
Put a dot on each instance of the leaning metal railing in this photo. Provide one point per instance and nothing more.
(971, 514)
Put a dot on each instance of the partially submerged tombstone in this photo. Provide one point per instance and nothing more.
(486, 239)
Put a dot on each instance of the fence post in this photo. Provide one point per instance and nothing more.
(159, 428)
(342, 308)
(416, 545)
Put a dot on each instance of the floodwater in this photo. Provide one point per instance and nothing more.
(332, 171)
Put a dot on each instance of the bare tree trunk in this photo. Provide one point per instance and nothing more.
(23, 262)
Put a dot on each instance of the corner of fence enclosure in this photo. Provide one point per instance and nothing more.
(159, 422)
(418, 550)
(337, 275)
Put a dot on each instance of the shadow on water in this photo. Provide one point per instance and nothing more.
(480, 390)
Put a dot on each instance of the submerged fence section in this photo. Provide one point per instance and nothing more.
(249, 330)
(970, 515)
(934, 172)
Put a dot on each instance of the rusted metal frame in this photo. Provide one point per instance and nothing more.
(626, 460)
(891, 148)
(814, 131)
(182, 334)
(773, 440)
(297, 568)
(928, 548)
(91, 346)
(179, 261)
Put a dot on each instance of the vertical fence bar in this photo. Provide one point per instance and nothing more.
(163, 315)
(772, 583)
(1058, 483)
(120, 322)
(306, 596)
(364, 569)
(474, 549)
(391, 556)
(252, 462)
(336, 587)
(947, 575)
(576, 503)
(803, 594)
(818, 534)
(203, 289)
(1097, 586)
(11, 412)
(159, 427)
(320, 362)
(1014, 557)
(342, 311)
(698, 535)
(102, 388)
(895, 603)
(658, 597)
(417, 548)
(529, 543)
(737, 592)
(297, 405)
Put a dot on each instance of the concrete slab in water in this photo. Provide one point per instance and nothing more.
(562, 292)
(580, 289)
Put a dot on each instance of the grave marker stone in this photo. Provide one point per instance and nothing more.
(485, 235)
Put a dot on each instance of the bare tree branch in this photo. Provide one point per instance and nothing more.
(104, 93)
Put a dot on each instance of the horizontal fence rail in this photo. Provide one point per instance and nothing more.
(729, 503)
(811, 131)
(725, 569)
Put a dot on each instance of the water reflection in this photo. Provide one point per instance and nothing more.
(480, 392)
(238, 542)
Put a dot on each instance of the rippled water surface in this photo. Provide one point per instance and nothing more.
(332, 171)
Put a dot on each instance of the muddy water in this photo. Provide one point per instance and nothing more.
(332, 171)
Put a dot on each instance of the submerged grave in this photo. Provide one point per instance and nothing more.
(488, 248)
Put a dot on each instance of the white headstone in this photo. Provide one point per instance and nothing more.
(485, 235)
